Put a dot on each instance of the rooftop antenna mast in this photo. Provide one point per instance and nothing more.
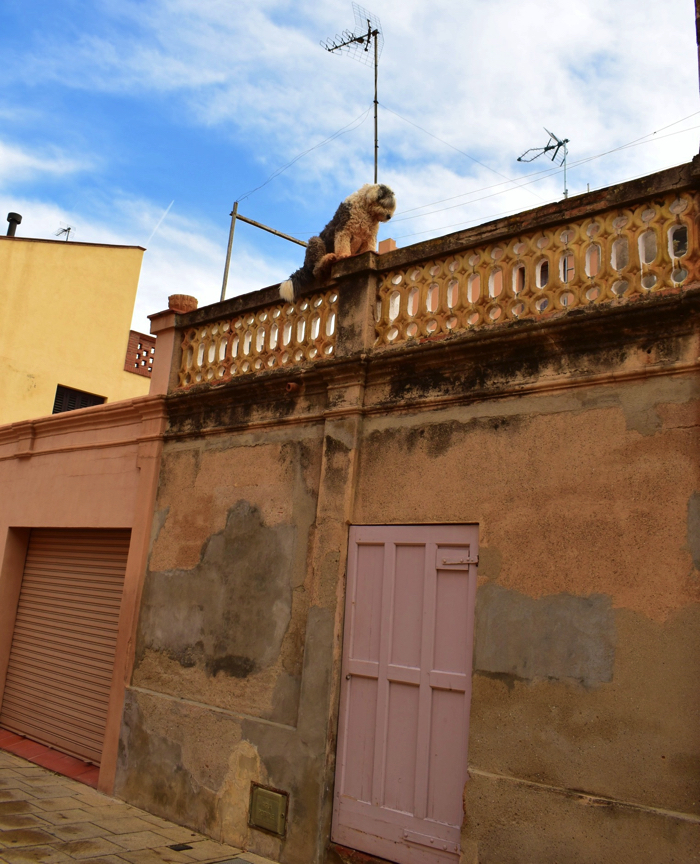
(367, 33)
(555, 144)
(65, 231)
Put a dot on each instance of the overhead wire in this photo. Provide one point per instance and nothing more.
(482, 219)
(447, 143)
(362, 117)
(543, 175)
(545, 171)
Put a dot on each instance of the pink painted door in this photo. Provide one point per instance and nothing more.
(406, 686)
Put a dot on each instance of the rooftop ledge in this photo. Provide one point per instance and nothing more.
(609, 248)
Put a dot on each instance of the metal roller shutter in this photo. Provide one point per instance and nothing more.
(62, 656)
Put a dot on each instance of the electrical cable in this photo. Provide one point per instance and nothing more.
(549, 173)
(545, 171)
(337, 134)
(447, 143)
(485, 219)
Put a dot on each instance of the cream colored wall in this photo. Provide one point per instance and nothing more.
(65, 313)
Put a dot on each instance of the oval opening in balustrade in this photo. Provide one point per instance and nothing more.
(222, 349)
(566, 267)
(678, 241)
(620, 256)
(330, 324)
(567, 299)
(301, 330)
(518, 279)
(452, 293)
(315, 326)
(647, 247)
(234, 346)
(260, 340)
(412, 329)
(542, 274)
(495, 282)
(247, 342)
(378, 309)
(274, 336)
(620, 287)
(200, 354)
(412, 304)
(287, 333)
(592, 260)
(648, 281)
(432, 297)
(679, 275)
(188, 361)
(211, 354)
(394, 305)
(474, 288)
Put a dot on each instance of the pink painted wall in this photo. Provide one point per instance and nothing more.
(94, 468)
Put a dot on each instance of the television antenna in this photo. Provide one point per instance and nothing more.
(367, 33)
(65, 231)
(555, 144)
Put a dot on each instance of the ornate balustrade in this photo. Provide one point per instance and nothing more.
(272, 337)
(612, 247)
(620, 254)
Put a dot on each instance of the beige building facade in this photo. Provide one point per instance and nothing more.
(67, 310)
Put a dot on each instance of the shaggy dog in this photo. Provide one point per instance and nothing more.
(351, 231)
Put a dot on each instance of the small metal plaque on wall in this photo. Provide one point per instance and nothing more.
(268, 809)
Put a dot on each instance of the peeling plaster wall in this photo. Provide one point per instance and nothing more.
(578, 461)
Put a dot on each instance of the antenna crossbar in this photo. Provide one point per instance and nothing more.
(554, 143)
(368, 32)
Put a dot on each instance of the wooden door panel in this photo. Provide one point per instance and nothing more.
(404, 706)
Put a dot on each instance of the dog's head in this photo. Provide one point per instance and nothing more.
(379, 200)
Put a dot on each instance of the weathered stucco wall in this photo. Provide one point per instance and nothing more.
(573, 443)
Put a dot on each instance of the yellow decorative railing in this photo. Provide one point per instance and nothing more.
(621, 254)
(277, 336)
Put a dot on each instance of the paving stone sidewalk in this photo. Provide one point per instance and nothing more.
(49, 819)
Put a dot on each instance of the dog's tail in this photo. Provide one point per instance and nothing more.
(304, 277)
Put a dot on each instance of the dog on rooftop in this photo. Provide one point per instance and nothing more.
(351, 231)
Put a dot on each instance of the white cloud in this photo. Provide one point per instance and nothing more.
(485, 76)
(18, 164)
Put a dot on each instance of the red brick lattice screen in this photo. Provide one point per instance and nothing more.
(140, 353)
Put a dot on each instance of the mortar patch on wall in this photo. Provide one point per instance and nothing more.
(556, 637)
(229, 614)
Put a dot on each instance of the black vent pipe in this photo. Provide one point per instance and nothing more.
(14, 219)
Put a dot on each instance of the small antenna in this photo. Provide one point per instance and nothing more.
(368, 32)
(65, 231)
(555, 144)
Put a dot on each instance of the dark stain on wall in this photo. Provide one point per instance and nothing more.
(228, 614)
(166, 788)
(556, 637)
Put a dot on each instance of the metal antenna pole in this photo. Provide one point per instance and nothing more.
(566, 153)
(356, 43)
(234, 213)
(376, 133)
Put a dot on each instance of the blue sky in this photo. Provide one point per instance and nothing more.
(111, 110)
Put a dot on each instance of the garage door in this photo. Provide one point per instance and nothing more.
(60, 669)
